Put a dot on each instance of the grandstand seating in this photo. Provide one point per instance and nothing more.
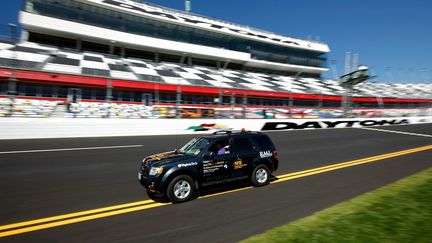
(37, 57)
(26, 108)
(110, 110)
(43, 108)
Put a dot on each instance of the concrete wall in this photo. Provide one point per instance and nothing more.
(25, 128)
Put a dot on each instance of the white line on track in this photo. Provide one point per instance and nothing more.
(398, 132)
(69, 149)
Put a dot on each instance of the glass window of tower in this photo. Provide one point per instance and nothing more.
(98, 16)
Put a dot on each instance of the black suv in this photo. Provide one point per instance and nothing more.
(224, 156)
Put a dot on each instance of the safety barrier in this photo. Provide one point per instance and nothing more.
(26, 128)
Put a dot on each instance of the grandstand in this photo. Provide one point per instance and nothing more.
(139, 56)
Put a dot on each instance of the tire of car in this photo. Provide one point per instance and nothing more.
(157, 197)
(181, 189)
(260, 176)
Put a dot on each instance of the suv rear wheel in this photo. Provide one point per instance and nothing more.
(181, 189)
(260, 175)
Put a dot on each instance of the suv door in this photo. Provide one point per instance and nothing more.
(245, 156)
(217, 167)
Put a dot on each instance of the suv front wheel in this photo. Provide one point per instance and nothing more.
(157, 197)
(260, 176)
(181, 189)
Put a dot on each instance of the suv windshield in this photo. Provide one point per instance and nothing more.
(194, 146)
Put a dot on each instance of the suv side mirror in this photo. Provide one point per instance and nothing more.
(208, 155)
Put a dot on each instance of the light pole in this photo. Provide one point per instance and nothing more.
(321, 102)
(178, 99)
(224, 67)
(290, 102)
(12, 86)
(346, 100)
(109, 91)
(233, 103)
(156, 93)
(109, 96)
(220, 97)
(244, 105)
(291, 98)
(348, 81)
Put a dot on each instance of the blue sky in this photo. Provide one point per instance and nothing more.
(393, 37)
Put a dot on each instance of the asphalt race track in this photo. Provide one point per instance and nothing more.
(37, 181)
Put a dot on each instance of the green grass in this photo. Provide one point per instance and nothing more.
(399, 212)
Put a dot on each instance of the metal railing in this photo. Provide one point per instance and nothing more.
(176, 11)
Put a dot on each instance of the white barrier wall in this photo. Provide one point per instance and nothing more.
(24, 128)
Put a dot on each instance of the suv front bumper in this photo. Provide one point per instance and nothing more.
(151, 183)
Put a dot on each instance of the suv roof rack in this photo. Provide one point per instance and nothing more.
(224, 131)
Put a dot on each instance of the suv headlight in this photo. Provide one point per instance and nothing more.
(156, 171)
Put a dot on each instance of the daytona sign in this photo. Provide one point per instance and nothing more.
(273, 126)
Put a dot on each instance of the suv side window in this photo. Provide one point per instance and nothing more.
(263, 142)
(243, 145)
(221, 147)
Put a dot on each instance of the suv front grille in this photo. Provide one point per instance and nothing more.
(145, 169)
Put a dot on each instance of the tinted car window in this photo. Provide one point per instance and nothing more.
(243, 145)
(221, 147)
(263, 142)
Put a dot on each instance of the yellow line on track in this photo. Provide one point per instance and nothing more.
(72, 215)
(50, 222)
(79, 219)
(349, 163)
